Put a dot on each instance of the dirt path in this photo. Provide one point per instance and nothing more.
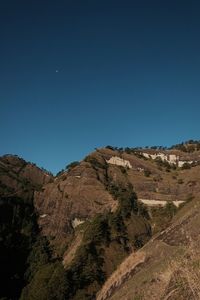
(71, 251)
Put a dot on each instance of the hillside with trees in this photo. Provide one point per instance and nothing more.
(66, 237)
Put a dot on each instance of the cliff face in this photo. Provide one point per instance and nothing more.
(78, 194)
(18, 227)
(89, 188)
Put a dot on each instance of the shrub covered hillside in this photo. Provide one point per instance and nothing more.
(62, 237)
(25, 253)
(18, 231)
(107, 240)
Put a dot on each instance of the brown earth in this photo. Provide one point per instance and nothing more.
(167, 267)
(90, 188)
(83, 191)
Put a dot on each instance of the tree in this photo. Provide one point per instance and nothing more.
(170, 209)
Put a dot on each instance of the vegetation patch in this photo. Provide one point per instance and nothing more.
(127, 227)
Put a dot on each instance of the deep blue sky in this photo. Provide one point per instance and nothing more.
(75, 75)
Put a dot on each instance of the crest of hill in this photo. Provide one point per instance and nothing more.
(90, 211)
(92, 187)
(88, 187)
(20, 178)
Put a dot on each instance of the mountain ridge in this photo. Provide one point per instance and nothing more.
(90, 213)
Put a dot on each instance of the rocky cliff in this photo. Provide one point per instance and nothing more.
(81, 192)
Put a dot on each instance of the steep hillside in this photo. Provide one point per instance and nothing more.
(18, 229)
(97, 214)
(93, 192)
(89, 187)
(20, 178)
(94, 186)
(99, 246)
(167, 267)
(18, 220)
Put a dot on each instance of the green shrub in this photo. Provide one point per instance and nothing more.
(48, 283)
(123, 170)
(72, 165)
(18, 229)
(170, 209)
(147, 172)
(186, 166)
(87, 271)
(94, 162)
(39, 256)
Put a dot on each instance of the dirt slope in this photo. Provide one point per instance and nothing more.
(165, 266)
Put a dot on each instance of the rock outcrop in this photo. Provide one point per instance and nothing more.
(89, 188)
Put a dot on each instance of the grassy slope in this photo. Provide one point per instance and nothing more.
(171, 263)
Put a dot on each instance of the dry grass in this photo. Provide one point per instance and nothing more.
(171, 269)
(185, 283)
(71, 251)
(121, 274)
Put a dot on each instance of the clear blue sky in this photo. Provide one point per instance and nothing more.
(75, 75)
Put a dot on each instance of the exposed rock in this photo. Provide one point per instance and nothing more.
(77, 222)
(88, 188)
(69, 198)
(115, 160)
